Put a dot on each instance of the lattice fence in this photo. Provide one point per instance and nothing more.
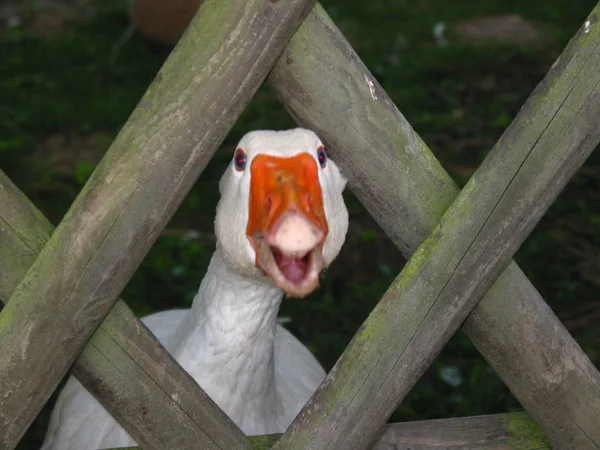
(60, 287)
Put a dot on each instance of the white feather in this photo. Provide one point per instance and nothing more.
(229, 341)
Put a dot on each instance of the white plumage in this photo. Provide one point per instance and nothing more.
(229, 341)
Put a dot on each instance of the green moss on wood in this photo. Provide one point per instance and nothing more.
(524, 433)
(263, 442)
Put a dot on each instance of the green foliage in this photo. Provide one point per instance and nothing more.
(459, 97)
(83, 172)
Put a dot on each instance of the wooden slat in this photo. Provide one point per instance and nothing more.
(23, 233)
(325, 86)
(188, 110)
(512, 431)
(157, 402)
(258, 442)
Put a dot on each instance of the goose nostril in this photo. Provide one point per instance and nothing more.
(308, 199)
(268, 202)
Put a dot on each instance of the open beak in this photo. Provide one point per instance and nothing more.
(287, 226)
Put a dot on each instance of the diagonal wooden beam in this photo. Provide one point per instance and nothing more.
(325, 86)
(123, 365)
(186, 113)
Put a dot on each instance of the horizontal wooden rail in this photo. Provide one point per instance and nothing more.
(188, 110)
(325, 86)
(512, 431)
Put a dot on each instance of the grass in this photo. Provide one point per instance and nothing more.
(65, 96)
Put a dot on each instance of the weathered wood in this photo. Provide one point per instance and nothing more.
(323, 83)
(198, 94)
(258, 442)
(512, 431)
(123, 365)
(23, 233)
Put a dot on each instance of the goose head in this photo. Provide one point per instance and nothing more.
(281, 215)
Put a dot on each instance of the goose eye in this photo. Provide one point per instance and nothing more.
(239, 159)
(322, 156)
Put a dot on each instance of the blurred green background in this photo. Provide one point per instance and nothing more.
(70, 74)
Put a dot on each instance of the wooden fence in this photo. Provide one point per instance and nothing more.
(61, 286)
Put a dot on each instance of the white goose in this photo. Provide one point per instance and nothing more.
(281, 219)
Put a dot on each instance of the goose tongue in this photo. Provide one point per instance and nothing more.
(293, 269)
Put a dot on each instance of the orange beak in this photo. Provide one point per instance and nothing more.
(287, 226)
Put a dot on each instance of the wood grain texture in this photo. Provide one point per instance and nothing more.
(186, 113)
(325, 86)
(123, 365)
(23, 233)
(263, 442)
(512, 431)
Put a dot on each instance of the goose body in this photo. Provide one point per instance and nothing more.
(281, 219)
